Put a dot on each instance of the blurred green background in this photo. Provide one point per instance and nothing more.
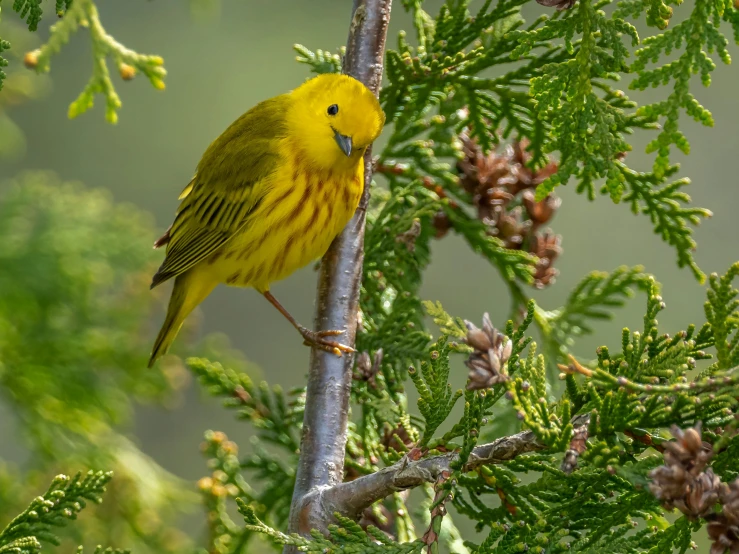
(223, 59)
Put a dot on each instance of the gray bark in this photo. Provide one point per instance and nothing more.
(323, 442)
(351, 498)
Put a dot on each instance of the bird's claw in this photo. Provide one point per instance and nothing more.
(318, 339)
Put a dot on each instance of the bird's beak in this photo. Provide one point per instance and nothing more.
(344, 142)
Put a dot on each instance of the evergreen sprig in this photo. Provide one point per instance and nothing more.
(345, 536)
(628, 399)
(528, 392)
(586, 128)
(591, 299)
(267, 409)
(30, 10)
(278, 420)
(449, 325)
(4, 46)
(435, 91)
(397, 246)
(533, 512)
(226, 483)
(319, 61)
(65, 498)
(62, 6)
(84, 13)
(512, 264)
(668, 209)
(552, 85)
(723, 317)
(581, 488)
(436, 399)
(700, 36)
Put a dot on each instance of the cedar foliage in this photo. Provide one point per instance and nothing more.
(487, 115)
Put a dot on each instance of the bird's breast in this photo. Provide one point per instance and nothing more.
(298, 218)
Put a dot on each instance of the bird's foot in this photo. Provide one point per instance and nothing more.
(319, 340)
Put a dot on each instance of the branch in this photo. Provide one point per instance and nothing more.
(84, 13)
(351, 498)
(323, 443)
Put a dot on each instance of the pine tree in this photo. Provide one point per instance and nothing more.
(634, 450)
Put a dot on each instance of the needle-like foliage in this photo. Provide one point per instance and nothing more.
(477, 79)
(63, 501)
(487, 115)
(73, 15)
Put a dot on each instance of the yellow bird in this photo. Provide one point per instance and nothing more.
(268, 197)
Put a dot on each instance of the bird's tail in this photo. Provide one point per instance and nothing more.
(188, 292)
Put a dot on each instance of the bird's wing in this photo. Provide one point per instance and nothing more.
(230, 183)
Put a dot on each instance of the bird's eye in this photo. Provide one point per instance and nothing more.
(333, 109)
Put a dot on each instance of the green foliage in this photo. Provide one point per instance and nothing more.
(71, 323)
(591, 525)
(666, 205)
(268, 410)
(62, 6)
(449, 325)
(100, 550)
(278, 421)
(30, 10)
(551, 424)
(587, 127)
(397, 243)
(700, 36)
(347, 536)
(319, 61)
(17, 86)
(64, 499)
(558, 95)
(722, 316)
(591, 299)
(436, 398)
(83, 13)
(74, 340)
(4, 45)
(625, 403)
(645, 389)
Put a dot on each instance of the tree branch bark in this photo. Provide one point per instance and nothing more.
(323, 442)
(351, 498)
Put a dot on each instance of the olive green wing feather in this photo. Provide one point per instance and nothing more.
(230, 182)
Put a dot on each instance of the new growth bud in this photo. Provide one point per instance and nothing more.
(127, 72)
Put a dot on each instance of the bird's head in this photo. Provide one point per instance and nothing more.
(334, 118)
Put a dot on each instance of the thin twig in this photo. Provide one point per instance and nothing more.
(323, 443)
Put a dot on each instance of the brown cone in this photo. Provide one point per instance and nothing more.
(491, 351)
(559, 4)
(502, 188)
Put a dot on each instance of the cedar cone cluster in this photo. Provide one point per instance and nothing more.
(559, 4)
(685, 483)
(578, 445)
(367, 368)
(492, 350)
(502, 187)
(682, 482)
(723, 529)
(398, 439)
